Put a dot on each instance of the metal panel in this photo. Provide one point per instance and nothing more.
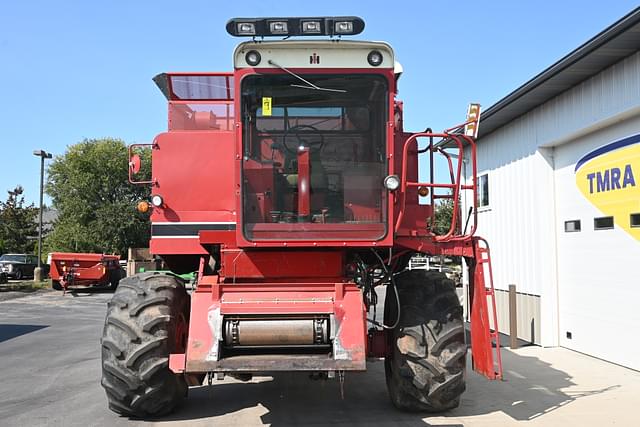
(325, 53)
(528, 309)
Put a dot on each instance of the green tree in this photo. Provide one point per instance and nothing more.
(444, 216)
(18, 226)
(89, 187)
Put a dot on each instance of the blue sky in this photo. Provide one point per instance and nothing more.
(82, 69)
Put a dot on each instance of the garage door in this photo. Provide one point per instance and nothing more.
(598, 213)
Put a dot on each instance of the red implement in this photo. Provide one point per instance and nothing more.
(81, 270)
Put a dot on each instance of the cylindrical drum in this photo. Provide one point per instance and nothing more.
(276, 332)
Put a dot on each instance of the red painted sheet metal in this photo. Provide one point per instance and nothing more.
(273, 265)
(176, 246)
(224, 238)
(187, 166)
(202, 335)
(480, 328)
(80, 257)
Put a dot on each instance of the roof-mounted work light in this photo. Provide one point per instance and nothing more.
(246, 29)
(309, 26)
(278, 27)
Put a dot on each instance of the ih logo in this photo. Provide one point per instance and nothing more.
(314, 59)
(607, 177)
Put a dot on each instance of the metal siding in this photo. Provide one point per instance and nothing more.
(513, 222)
(603, 96)
(528, 315)
(520, 223)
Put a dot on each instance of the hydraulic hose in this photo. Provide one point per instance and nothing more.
(395, 290)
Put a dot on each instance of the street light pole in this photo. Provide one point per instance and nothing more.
(43, 155)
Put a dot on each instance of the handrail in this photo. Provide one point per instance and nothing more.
(455, 185)
(134, 163)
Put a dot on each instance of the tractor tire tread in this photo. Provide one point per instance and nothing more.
(113, 347)
(139, 334)
(148, 303)
(130, 380)
(147, 373)
(127, 285)
(425, 371)
(143, 350)
(125, 327)
(148, 326)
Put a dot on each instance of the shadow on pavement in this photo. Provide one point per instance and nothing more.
(10, 331)
(293, 399)
(532, 389)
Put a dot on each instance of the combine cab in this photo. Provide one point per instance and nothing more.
(291, 188)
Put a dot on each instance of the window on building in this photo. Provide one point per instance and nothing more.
(483, 190)
(572, 226)
(635, 219)
(603, 223)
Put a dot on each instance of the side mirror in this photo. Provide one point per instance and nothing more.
(134, 164)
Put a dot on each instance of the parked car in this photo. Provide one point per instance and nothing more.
(19, 266)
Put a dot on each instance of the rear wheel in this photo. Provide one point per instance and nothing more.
(55, 284)
(114, 278)
(426, 368)
(146, 321)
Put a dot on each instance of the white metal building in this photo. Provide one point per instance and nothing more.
(559, 161)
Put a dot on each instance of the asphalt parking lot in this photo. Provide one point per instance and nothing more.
(50, 370)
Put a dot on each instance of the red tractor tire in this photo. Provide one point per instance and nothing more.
(426, 368)
(55, 284)
(147, 319)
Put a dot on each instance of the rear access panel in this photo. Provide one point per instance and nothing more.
(333, 311)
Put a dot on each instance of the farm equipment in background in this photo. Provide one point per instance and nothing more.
(78, 270)
(291, 189)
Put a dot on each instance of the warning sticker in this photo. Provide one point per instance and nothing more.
(266, 106)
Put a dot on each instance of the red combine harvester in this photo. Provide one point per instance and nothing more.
(72, 271)
(291, 188)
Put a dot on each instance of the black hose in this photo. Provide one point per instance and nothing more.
(395, 290)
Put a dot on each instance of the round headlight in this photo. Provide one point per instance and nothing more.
(156, 200)
(374, 58)
(253, 58)
(392, 182)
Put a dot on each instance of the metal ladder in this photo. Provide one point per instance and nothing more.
(485, 341)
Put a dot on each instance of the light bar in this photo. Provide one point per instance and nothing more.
(295, 26)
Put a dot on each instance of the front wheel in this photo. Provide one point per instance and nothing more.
(425, 370)
(147, 319)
